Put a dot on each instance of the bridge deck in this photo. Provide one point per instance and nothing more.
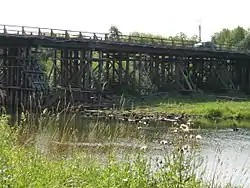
(57, 38)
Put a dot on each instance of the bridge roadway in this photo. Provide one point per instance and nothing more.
(86, 64)
(58, 38)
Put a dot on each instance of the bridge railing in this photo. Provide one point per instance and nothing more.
(60, 34)
(47, 32)
(151, 41)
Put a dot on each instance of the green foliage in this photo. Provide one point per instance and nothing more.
(214, 113)
(114, 32)
(148, 38)
(23, 166)
(180, 38)
(198, 106)
(237, 37)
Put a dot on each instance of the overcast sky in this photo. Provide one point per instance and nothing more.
(164, 17)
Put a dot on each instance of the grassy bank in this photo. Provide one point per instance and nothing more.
(23, 163)
(207, 107)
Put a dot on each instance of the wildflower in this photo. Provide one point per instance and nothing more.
(143, 122)
(58, 117)
(45, 111)
(186, 136)
(175, 130)
(184, 127)
(143, 148)
(186, 147)
(191, 136)
(110, 116)
(22, 116)
(175, 123)
(164, 142)
(198, 137)
(170, 143)
(130, 120)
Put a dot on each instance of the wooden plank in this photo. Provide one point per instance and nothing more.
(55, 82)
(127, 70)
(108, 69)
(186, 78)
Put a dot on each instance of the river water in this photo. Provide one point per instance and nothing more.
(226, 152)
(227, 155)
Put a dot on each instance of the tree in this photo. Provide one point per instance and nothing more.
(230, 38)
(223, 37)
(114, 32)
(245, 43)
(238, 34)
(194, 38)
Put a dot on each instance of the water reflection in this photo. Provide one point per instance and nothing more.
(227, 155)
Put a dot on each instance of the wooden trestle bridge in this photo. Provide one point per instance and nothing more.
(85, 65)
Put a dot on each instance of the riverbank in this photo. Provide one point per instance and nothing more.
(207, 111)
(209, 107)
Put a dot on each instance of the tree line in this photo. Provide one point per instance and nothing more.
(237, 37)
(115, 33)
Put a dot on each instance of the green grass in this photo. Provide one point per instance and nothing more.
(209, 108)
(24, 164)
(206, 123)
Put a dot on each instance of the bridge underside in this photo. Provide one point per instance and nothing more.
(83, 71)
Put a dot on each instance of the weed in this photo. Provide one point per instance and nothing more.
(49, 156)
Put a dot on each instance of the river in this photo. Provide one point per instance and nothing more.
(226, 152)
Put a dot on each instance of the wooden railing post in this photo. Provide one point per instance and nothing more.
(23, 31)
(66, 34)
(51, 33)
(80, 35)
(39, 32)
(94, 37)
(4, 30)
(129, 39)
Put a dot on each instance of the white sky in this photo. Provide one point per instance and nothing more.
(165, 17)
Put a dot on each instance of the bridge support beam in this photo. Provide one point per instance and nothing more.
(85, 74)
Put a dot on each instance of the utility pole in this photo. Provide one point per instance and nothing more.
(200, 32)
(199, 27)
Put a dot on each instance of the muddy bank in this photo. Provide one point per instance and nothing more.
(141, 117)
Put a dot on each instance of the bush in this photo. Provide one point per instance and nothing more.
(214, 113)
